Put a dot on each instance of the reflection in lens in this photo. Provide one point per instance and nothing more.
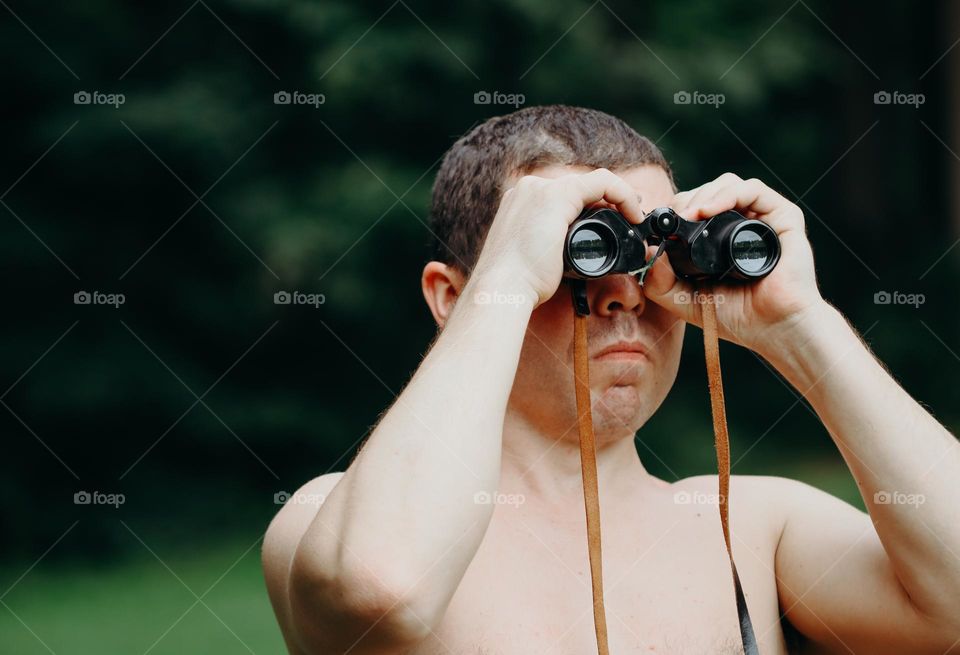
(588, 250)
(750, 251)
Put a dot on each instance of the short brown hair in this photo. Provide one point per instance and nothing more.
(469, 185)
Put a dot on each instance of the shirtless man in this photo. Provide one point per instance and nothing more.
(459, 527)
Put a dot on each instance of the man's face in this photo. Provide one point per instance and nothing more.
(626, 387)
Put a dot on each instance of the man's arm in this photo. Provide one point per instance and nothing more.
(376, 567)
(386, 550)
(893, 585)
(890, 587)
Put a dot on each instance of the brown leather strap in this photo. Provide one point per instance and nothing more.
(588, 469)
(711, 347)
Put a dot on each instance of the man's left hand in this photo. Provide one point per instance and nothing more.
(759, 314)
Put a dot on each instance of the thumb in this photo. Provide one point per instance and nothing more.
(662, 286)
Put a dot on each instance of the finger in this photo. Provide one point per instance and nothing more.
(748, 195)
(753, 197)
(602, 184)
(707, 191)
(682, 199)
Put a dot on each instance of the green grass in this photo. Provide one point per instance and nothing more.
(138, 606)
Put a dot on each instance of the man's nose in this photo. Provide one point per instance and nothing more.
(618, 293)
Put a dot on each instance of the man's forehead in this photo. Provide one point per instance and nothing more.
(650, 181)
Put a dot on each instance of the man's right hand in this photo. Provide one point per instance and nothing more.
(524, 247)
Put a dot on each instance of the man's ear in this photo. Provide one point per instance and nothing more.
(441, 285)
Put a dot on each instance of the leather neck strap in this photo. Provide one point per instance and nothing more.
(588, 467)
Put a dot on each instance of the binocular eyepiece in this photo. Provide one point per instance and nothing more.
(725, 247)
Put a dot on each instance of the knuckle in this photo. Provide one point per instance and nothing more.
(723, 193)
(527, 182)
(680, 200)
(574, 186)
(568, 184)
(607, 178)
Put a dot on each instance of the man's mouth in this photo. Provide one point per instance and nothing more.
(622, 350)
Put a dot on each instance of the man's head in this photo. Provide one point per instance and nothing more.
(484, 163)
(553, 141)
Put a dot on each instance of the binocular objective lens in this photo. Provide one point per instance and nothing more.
(589, 250)
(750, 251)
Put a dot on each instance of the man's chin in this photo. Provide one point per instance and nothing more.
(620, 407)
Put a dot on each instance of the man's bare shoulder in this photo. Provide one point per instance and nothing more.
(287, 529)
(748, 488)
(298, 510)
(756, 500)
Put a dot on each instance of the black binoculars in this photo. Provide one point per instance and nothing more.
(725, 247)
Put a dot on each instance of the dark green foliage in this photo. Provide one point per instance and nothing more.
(316, 201)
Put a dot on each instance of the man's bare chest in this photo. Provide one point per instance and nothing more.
(667, 589)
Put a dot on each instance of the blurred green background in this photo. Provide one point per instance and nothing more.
(198, 198)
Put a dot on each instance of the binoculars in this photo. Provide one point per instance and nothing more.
(725, 247)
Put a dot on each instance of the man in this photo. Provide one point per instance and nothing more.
(459, 526)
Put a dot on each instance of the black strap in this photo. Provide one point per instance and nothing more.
(747, 637)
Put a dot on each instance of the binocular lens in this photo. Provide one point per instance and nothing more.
(753, 249)
(591, 248)
(749, 251)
